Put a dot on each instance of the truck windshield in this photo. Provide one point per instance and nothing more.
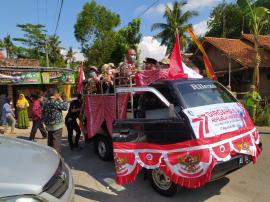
(201, 94)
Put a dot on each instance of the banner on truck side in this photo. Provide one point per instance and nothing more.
(212, 120)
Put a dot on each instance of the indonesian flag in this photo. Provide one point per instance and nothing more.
(176, 69)
(81, 78)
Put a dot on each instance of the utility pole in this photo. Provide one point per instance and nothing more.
(46, 52)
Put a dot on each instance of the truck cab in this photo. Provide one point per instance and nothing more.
(160, 115)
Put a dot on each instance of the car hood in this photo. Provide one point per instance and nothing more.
(25, 167)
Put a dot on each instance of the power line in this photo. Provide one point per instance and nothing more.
(148, 8)
(59, 15)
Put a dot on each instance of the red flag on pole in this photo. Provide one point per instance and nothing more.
(81, 78)
(176, 68)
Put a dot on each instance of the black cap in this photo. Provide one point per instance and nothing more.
(150, 61)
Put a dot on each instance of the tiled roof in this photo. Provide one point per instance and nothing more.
(8, 62)
(239, 51)
(264, 40)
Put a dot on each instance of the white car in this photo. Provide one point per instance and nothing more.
(33, 173)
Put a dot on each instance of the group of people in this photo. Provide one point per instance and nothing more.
(111, 76)
(46, 110)
(8, 115)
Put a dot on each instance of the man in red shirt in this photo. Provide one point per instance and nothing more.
(36, 118)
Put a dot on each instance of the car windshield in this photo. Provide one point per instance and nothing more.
(201, 94)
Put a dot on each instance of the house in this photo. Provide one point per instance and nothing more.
(28, 77)
(233, 61)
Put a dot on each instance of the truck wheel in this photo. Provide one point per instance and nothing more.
(162, 183)
(103, 147)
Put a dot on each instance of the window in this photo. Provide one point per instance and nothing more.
(200, 94)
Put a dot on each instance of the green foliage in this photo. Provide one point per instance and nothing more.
(263, 115)
(100, 52)
(9, 46)
(34, 40)
(233, 21)
(1, 44)
(93, 22)
(125, 38)
(35, 43)
(176, 19)
(95, 30)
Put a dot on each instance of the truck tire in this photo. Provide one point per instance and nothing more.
(161, 183)
(103, 147)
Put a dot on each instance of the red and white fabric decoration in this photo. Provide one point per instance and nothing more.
(189, 163)
(100, 108)
(176, 70)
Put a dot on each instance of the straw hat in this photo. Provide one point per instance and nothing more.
(93, 68)
(111, 65)
(105, 67)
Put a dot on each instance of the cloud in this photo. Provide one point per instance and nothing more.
(150, 47)
(200, 28)
(79, 57)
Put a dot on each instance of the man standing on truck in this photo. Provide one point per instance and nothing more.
(129, 66)
(71, 122)
(52, 114)
(252, 98)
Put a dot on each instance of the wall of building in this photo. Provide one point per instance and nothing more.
(219, 60)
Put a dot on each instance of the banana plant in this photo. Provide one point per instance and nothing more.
(258, 18)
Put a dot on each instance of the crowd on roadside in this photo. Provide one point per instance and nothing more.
(46, 109)
(109, 76)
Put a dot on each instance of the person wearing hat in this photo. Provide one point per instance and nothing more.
(164, 63)
(252, 98)
(93, 82)
(150, 64)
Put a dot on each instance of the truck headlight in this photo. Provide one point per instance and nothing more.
(24, 198)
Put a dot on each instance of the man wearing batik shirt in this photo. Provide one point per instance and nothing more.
(52, 115)
(128, 67)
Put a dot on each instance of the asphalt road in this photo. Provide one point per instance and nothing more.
(94, 180)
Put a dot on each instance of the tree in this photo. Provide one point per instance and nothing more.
(233, 21)
(1, 44)
(228, 19)
(258, 18)
(8, 45)
(101, 43)
(70, 56)
(127, 37)
(54, 51)
(34, 40)
(93, 23)
(36, 44)
(175, 20)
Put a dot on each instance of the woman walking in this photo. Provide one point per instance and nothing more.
(8, 116)
(22, 108)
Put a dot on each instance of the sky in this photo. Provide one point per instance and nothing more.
(46, 12)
